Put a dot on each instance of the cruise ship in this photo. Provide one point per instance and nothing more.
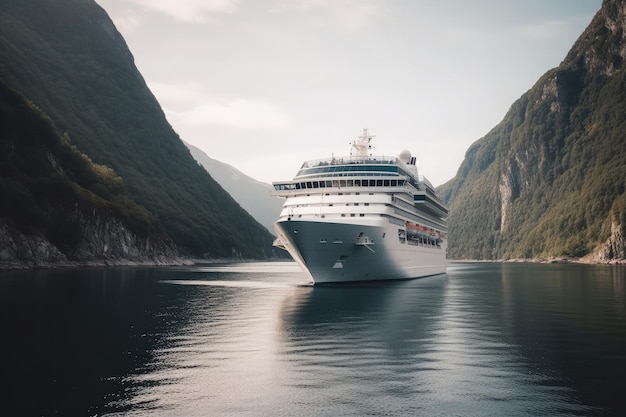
(362, 218)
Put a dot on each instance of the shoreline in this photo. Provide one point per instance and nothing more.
(113, 263)
(96, 263)
(555, 260)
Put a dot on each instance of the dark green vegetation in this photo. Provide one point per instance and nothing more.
(67, 57)
(44, 180)
(549, 180)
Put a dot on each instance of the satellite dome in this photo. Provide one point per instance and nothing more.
(405, 156)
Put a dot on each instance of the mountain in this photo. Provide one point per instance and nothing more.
(67, 57)
(549, 180)
(58, 206)
(253, 195)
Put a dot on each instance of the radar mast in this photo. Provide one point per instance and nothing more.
(361, 145)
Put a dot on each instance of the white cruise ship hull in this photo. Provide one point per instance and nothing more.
(333, 251)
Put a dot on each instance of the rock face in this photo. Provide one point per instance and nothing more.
(16, 248)
(613, 250)
(99, 240)
(550, 179)
(101, 236)
(91, 238)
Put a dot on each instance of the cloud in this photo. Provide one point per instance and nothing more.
(240, 112)
(188, 10)
(348, 15)
(190, 105)
(125, 21)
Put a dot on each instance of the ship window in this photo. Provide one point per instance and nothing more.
(297, 186)
(322, 184)
(386, 183)
(394, 183)
(350, 183)
(364, 183)
(315, 184)
(342, 183)
(308, 184)
(357, 183)
(379, 183)
(329, 184)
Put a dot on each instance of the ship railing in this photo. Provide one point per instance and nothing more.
(346, 160)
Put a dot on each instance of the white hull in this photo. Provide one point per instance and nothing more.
(331, 251)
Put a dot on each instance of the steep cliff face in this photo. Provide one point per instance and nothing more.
(17, 248)
(67, 57)
(549, 180)
(94, 239)
(58, 206)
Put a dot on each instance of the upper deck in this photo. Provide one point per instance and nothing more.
(351, 166)
(362, 172)
(346, 167)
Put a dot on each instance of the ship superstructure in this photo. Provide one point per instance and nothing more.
(362, 218)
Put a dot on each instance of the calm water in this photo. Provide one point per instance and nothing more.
(257, 340)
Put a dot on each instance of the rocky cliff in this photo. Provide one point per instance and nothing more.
(549, 180)
(100, 240)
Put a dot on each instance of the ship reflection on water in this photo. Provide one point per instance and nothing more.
(256, 339)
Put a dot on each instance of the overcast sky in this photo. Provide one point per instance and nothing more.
(265, 84)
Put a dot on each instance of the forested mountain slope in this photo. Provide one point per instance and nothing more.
(550, 179)
(67, 57)
(58, 206)
(254, 196)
